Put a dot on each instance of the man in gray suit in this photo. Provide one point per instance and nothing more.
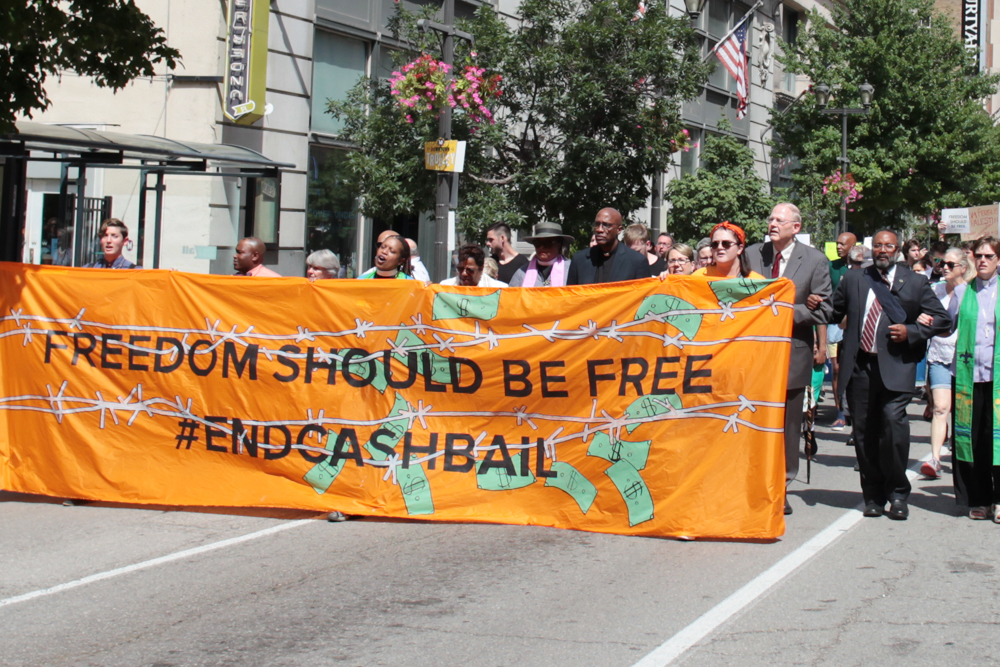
(809, 269)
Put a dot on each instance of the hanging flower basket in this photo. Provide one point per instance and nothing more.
(421, 89)
(844, 187)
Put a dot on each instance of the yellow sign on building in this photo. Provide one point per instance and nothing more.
(246, 60)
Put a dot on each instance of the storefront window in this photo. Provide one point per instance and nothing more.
(265, 213)
(332, 208)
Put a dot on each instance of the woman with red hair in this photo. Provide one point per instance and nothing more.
(728, 244)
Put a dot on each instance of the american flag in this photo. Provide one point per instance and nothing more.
(733, 54)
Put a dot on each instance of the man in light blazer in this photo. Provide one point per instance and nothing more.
(882, 345)
(809, 269)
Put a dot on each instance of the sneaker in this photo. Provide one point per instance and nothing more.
(931, 469)
(838, 424)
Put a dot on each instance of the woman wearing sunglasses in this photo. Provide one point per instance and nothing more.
(940, 354)
(728, 244)
(976, 453)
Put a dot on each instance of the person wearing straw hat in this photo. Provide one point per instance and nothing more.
(548, 268)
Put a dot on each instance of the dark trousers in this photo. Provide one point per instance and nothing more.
(881, 432)
(977, 484)
(793, 431)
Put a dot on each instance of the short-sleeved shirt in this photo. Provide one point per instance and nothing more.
(507, 271)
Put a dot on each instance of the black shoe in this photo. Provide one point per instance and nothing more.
(857, 467)
(873, 509)
(788, 508)
(898, 510)
(850, 442)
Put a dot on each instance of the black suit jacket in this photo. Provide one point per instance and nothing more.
(897, 361)
(627, 264)
(809, 270)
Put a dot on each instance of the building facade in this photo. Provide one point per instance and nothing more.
(316, 51)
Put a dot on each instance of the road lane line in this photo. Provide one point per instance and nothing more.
(677, 645)
(101, 576)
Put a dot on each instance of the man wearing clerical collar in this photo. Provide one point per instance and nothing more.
(608, 260)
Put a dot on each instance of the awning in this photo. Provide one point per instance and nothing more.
(94, 147)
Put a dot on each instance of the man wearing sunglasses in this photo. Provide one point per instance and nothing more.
(782, 257)
(882, 345)
(608, 261)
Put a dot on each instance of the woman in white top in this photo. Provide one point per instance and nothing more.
(940, 353)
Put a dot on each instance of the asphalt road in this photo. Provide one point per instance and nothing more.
(835, 590)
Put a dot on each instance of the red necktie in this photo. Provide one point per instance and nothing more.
(868, 332)
(776, 269)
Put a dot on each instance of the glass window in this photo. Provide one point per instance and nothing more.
(332, 208)
(720, 75)
(689, 159)
(338, 64)
(718, 17)
(265, 210)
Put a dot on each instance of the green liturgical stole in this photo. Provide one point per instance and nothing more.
(965, 355)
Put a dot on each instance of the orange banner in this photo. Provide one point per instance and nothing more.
(640, 408)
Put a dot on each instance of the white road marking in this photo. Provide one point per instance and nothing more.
(708, 622)
(187, 553)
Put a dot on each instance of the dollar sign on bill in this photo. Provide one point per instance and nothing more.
(633, 491)
(413, 486)
(616, 451)
(463, 307)
(648, 405)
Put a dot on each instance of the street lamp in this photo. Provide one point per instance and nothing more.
(822, 94)
(694, 8)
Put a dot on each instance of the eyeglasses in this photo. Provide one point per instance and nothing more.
(545, 243)
(780, 221)
(950, 265)
(884, 246)
(723, 244)
(983, 255)
(683, 260)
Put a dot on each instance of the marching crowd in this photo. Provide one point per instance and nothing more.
(878, 314)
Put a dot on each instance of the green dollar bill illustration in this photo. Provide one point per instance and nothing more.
(397, 427)
(497, 479)
(737, 289)
(572, 481)
(322, 475)
(650, 406)
(416, 490)
(448, 306)
(440, 370)
(636, 453)
(634, 491)
(659, 304)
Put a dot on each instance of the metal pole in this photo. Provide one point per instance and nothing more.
(845, 166)
(444, 180)
(81, 191)
(654, 207)
(158, 219)
(141, 231)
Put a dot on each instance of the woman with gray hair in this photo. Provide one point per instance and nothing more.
(321, 265)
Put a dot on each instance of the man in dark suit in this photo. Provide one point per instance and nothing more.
(878, 366)
(783, 257)
(609, 261)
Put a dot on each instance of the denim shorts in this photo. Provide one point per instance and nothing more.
(939, 376)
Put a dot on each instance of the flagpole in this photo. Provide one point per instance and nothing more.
(760, 3)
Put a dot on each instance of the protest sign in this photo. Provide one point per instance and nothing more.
(642, 408)
(982, 222)
(956, 220)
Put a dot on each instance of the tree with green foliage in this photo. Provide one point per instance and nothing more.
(589, 109)
(726, 187)
(110, 40)
(927, 143)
